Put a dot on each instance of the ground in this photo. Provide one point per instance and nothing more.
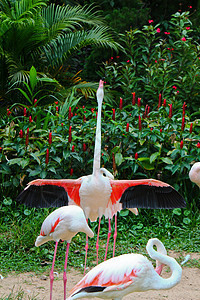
(37, 286)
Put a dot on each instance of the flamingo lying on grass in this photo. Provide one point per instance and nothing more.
(99, 194)
(194, 173)
(62, 224)
(127, 273)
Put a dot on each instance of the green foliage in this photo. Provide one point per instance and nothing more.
(159, 59)
(34, 33)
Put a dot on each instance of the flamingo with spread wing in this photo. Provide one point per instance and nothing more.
(99, 194)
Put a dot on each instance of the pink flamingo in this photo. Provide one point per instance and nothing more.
(127, 273)
(62, 224)
(99, 194)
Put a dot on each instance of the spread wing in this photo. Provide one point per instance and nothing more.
(145, 193)
(50, 193)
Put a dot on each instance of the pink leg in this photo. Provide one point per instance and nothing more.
(65, 269)
(115, 235)
(97, 243)
(108, 238)
(86, 250)
(51, 273)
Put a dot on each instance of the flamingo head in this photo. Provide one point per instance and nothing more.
(107, 173)
(194, 173)
(100, 92)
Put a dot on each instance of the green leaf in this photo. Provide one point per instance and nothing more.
(118, 159)
(177, 211)
(35, 157)
(186, 221)
(167, 160)
(145, 163)
(124, 213)
(33, 77)
(153, 157)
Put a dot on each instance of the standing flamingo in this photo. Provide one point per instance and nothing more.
(127, 273)
(99, 194)
(194, 173)
(62, 224)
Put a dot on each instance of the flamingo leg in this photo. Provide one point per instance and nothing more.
(52, 268)
(108, 238)
(97, 243)
(65, 269)
(86, 251)
(115, 235)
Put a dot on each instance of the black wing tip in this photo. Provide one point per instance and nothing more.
(91, 289)
(152, 197)
(43, 196)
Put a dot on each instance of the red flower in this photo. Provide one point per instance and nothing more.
(84, 147)
(187, 28)
(24, 111)
(184, 107)
(113, 114)
(139, 123)
(21, 133)
(136, 155)
(181, 144)
(159, 100)
(70, 113)
(133, 100)
(160, 130)
(62, 124)
(198, 145)
(50, 138)
(73, 148)
(120, 103)
(71, 172)
(164, 102)
(170, 110)
(127, 127)
(70, 134)
(57, 108)
(56, 102)
(27, 137)
(166, 32)
(183, 124)
(183, 39)
(174, 87)
(8, 112)
(191, 127)
(35, 102)
(148, 110)
(150, 21)
(30, 119)
(139, 102)
(151, 128)
(158, 30)
(47, 157)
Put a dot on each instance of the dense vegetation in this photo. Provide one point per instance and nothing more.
(150, 128)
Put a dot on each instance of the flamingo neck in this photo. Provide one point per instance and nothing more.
(175, 268)
(97, 149)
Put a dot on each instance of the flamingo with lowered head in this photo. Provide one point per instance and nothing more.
(99, 194)
(127, 273)
(62, 224)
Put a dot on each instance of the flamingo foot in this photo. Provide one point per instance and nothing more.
(115, 235)
(64, 273)
(86, 251)
(51, 273)
(108, 238)
(97, 243)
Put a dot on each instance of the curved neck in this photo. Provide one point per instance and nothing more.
(97, 149)
(164, 259)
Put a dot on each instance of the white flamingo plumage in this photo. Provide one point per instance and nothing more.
(99, 194)
(63, 224)
(127, 273)
(194, 173)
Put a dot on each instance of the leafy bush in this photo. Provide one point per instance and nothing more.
(159, 59)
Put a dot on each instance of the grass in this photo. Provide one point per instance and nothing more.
(20, 226)
(17, 296)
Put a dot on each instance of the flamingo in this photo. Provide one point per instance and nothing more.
(127, 273)
(62, 224)
(99, 194)
(194, 173)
